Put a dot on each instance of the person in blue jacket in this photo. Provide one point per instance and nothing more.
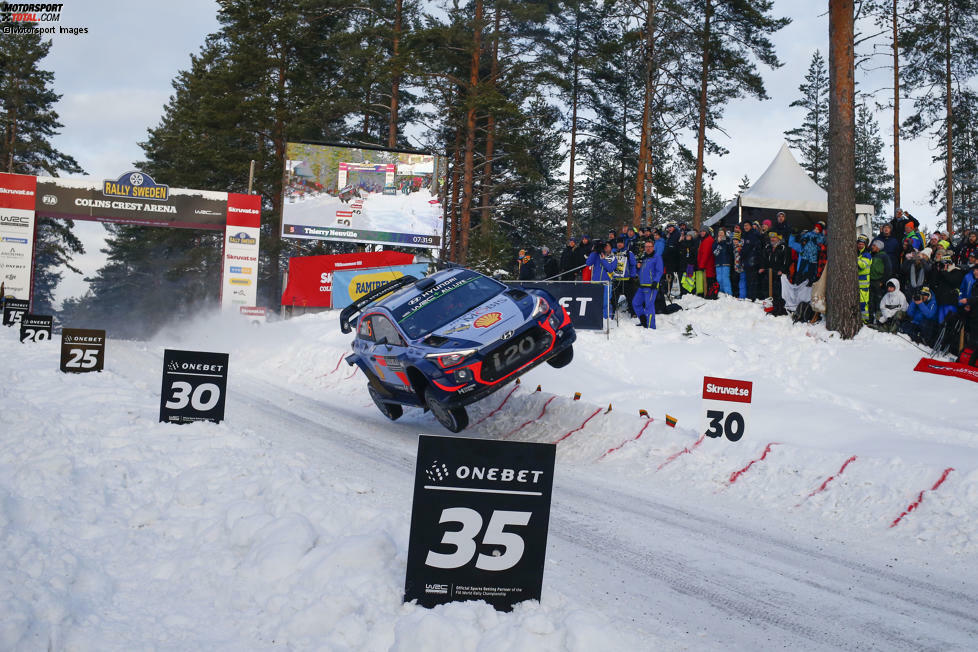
(723, 255)
(650, 269)
(891, 245)
(659, 243)
(602, 263)
(967, 281)
(922, 317)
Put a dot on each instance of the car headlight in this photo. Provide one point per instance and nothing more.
(541, 308)
(556, 319)
(451, 358)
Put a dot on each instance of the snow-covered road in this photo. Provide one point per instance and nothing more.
(692, 576)
(286, 526)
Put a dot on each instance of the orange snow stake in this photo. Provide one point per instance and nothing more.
(609, 409)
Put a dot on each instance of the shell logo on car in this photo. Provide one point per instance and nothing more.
(487, 320)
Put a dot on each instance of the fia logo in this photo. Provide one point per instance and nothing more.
(436, 472)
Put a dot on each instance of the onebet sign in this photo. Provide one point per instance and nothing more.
(726, 407)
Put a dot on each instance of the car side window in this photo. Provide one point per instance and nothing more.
(366, 330)
(384, 329)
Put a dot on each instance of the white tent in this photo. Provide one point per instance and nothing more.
(785, 186)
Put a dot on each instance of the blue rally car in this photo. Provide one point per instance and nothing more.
(451, 339)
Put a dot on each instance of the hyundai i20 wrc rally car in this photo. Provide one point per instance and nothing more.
(451, 339)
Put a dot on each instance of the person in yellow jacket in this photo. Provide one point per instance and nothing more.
(864, 261)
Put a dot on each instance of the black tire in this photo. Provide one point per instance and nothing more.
(562, 359)
(452, 419)
(392, 411)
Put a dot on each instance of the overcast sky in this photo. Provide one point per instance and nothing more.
(115, 81)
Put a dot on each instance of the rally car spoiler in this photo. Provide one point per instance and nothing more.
(357, 306)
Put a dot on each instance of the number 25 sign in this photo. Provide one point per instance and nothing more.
(726, 407)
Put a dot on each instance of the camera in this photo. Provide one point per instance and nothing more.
(917, 297)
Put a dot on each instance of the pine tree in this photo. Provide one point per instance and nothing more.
(940, 46)
(811, 138)
(734, 36)
(841, 292)
(964, 125)
(888, 15)
(570, 47)
(744, 184)
(872, 179)
(29, 122)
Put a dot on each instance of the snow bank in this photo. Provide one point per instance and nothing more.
(118, 532)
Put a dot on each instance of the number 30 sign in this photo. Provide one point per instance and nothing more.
(726, 407)
(194, 386)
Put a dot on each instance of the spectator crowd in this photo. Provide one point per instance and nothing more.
(921, 285)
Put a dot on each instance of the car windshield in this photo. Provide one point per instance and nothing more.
(445, 301)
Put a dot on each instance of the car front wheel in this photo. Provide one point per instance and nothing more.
(453, 419)
(392, 411)
(562, 359)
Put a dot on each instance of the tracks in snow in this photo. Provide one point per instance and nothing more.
(703, 577)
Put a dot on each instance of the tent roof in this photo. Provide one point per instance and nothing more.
(784, 186)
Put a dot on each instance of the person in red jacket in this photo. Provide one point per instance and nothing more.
(706, 261)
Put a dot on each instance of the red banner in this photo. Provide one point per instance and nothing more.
(726, 389)
(310, 281)
(956, 369)
(244, 210)
(17, 191)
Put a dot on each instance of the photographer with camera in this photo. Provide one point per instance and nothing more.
(922, 326)
(914, 270)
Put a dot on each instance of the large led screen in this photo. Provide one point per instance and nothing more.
(356, 194)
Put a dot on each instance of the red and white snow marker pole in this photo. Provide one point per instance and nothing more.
(726, 407)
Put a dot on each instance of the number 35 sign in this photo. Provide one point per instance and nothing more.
(479, 522)
(194, 386)
(726, 406)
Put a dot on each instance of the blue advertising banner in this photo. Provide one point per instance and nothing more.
(348, 286)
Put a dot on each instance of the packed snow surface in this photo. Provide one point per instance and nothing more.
(286, 526)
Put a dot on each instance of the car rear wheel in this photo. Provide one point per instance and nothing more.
(392, 411)
(562, 359)
(453, 419)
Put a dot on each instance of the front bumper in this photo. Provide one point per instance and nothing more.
(453, 395)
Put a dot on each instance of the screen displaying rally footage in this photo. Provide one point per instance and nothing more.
(353, 194)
